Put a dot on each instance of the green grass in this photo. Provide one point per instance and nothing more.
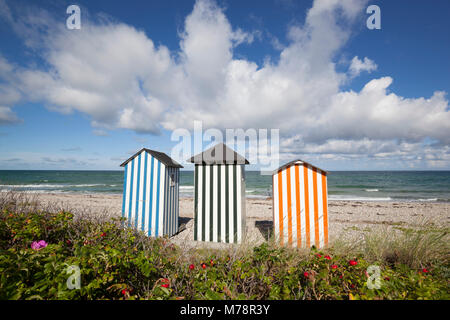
(118, 263)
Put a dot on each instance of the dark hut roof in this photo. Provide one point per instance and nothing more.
(160, 156)
(298, 161)
(219, 154)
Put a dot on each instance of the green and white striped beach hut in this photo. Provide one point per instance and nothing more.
(150, 193)
(219, 195)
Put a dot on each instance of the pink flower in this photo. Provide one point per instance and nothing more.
(191, 267)
(425, 270)
(306, 274)
(318, 255)
(327, 257)
(334, 266)
(353, 262)
(36, 245)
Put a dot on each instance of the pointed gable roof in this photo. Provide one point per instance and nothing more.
(298, 161)
(160, 156)
(219, 154)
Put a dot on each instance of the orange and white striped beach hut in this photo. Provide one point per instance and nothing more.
(300, 205)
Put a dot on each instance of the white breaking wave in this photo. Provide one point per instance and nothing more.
(357, 198)
(372, 190)
(37, 191)
(49, 185)
(256, 196)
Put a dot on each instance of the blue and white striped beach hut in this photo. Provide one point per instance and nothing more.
(150, 193)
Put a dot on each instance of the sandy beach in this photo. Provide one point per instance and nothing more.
(347, 219)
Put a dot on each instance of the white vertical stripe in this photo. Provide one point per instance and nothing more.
(215, 195)
(161, 199)
(147, 194)
(302, 205)
(141, 190)
(172, 200)
(311, 207)
(243, 206)
(178, 198)
(231, 203)
(174, 204)
(276, 207)
(177, 203)
(200, 201)
(320, 202)
(127, 191)
(293, 207)
(239, 203)
(155, 186)
(207, 196)
(135, 183)
(170, 172)
(285, 207)
(222, 203)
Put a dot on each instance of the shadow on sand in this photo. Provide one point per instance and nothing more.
(182, 222)
(265, 227)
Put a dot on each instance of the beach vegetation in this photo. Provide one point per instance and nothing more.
(41, 251)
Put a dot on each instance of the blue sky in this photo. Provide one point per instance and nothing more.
(343, 97)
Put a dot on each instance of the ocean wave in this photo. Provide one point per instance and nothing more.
(12, 186)
(371, 190)
(357, 198)
(256, 196)
(37, 191)
(186, 187)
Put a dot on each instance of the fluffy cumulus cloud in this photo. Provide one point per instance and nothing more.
(118, 76)
(357, 66)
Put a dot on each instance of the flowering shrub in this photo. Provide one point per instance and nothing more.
(36, 245)
(36, 250)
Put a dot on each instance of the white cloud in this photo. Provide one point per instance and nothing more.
(7, 116)
(115, 74)
(357, 66)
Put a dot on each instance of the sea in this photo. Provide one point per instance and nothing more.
(433, 186)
